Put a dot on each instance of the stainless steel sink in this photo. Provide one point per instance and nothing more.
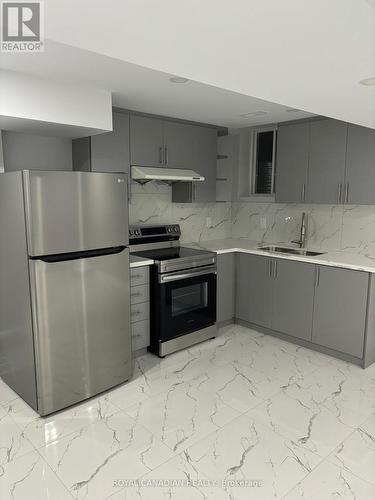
(292, 251)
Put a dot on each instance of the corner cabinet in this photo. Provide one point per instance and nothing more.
(108, 152)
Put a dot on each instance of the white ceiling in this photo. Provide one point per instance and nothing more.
(305, 54)
(138, 88)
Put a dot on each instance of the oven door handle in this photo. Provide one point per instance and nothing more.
(187, 274)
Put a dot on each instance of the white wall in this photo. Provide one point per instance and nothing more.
(25, 100)
(26, 151)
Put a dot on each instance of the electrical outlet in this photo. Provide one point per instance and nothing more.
(263, 222)
(208, 221)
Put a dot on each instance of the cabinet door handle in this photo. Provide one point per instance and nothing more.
(303, 194)
(317, 276)
(275, 270)
(165, 155)
(347, 192)
(161, 155)
(270, 268)
(339, 194)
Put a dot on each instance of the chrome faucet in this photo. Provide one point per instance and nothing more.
(301, 242)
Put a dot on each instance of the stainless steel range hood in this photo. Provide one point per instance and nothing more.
(147, 174)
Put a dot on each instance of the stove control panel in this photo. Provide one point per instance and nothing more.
(155, 233)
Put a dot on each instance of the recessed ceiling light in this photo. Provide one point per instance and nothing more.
(254, 113)
(368, 81)
(178, 79)
(292, 110)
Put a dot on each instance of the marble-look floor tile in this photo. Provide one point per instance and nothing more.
(6, 394)
(357, 453)
(184, 414)
(90, 460)
(43, 431)
(350, 395)
(241, 387)
(329, 482)
(246, 450)
(176, 479)
(30, 478)
(298, 418)
(13, 444)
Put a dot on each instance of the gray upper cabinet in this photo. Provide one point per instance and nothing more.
(327, 154)
(204, 162)
(360, 166)
(293, 298)
(292, 161)
(204, 150)
(340, 309)
(178, 145)
(225, 287)
(146, 141)
(254, 289)
(108, 152)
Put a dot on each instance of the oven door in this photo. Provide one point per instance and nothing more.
(187, 301)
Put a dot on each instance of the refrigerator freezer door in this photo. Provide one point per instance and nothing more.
(81, 328)
(75, 211)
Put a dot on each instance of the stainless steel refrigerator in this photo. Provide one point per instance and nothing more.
(64, 285)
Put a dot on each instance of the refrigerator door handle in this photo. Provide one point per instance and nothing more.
(61, 257)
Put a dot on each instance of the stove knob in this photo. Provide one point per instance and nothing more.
(175, 229)
(138, 232)
(169, 229)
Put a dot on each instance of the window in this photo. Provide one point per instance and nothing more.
(263, 161)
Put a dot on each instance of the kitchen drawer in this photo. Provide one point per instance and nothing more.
(139, 312)
(139, 276)
(140, 293)
(140, 334)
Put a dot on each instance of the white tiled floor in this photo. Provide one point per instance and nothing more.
(245, 416)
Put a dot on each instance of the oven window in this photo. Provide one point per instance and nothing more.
(189, 298)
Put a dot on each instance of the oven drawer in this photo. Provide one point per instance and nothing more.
(139, 276)
(140, 293)
(140, 335)
(139, 312)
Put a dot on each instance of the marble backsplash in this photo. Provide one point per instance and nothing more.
(152, 204)
(329, 227)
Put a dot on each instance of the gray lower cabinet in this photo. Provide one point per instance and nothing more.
(146, 141)
(327, 153)
(225, 287)
(254, 289)
(108, 152)
(293, 298)
(340, 309)
(292, 161)
(140, 307)
(360, 166)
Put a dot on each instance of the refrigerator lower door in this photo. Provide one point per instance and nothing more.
(74, 211)
(81, 327)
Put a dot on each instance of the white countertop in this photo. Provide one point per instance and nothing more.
(136, 261)
(344, 259)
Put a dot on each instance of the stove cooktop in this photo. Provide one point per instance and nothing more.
(171, 253)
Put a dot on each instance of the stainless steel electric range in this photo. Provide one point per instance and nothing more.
(182, 288)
